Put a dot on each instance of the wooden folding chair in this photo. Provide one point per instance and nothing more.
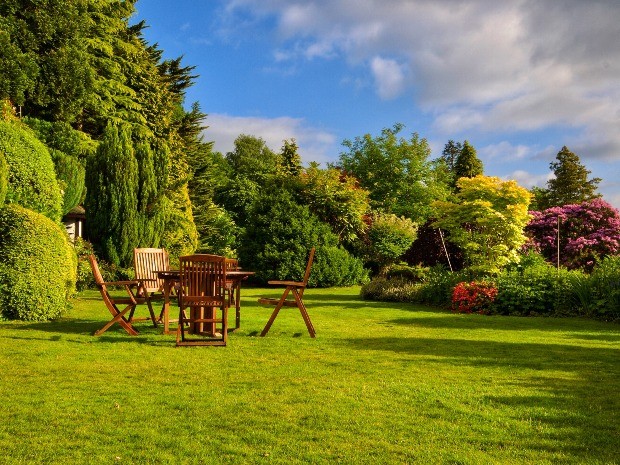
(202, 290)
(136, 295)
(296, 288)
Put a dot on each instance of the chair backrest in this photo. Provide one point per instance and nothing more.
(96, 272)
(101, 284)
(202, 280)
(308, 269)
(232, 264)
(146, 262)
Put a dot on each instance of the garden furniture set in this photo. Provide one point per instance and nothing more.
(205, 285)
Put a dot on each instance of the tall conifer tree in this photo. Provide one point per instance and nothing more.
(571, 184)
(112, 180)
(467, 164)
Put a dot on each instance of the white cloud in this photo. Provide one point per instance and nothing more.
(314, 144)
(529, 180)
(389, 77)
(476, 66)
(505, 150)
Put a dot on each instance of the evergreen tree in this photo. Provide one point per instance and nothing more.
(467, 164)
(112, 181)
(450, 154)
(289, 159)
(150, 214)
(571, 184)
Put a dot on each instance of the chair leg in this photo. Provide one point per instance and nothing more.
(275, 312)
(122, 321)
(304, 313)
(153, 319)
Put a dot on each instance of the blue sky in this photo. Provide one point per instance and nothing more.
(517, 79)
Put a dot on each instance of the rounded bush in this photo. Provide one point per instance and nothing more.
(37, 266)
(4, 174)
(334, 266)
(278, 237)
(31, 177)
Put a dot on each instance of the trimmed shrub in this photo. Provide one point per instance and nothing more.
(391, 290)
(604, 283)
(4, 175)
(31, 179)
(278, 237)
(37, 266)
(539, 289)
(389, 237)
(411, 273)
(334, 266)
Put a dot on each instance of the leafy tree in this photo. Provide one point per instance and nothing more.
(388, 238)
(217, 232)
(237, 197)
(112, 200)
(396, 172)
(486, 221)
(19, 69)
(570, 185)
(429, 249)
(252, 158)
(589, 231)
(337, 200)
(467, 164)
(45, 50)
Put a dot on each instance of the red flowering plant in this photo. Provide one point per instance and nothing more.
(473, 297)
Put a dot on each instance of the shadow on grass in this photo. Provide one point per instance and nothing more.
(578, 411)
(610, 331)
(535, 356)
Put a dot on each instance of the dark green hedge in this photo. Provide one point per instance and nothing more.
(32, 180)
(37, 265)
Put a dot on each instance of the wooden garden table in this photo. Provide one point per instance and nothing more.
(171, 278)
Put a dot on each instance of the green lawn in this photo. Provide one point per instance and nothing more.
(381, 383)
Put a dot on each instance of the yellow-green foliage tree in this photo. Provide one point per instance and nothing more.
(486, 221)
(337, 200)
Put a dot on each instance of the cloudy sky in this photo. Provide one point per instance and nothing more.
(518, 79)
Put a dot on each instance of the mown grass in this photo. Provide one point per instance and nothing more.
(382, 384)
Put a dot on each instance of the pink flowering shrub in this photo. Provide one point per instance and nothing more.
(588, 232)
(473, 297)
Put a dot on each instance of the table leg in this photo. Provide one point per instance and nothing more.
(166, 310)
(237, 305)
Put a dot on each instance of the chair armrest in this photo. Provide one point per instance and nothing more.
(122, 283)
(288, 283)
